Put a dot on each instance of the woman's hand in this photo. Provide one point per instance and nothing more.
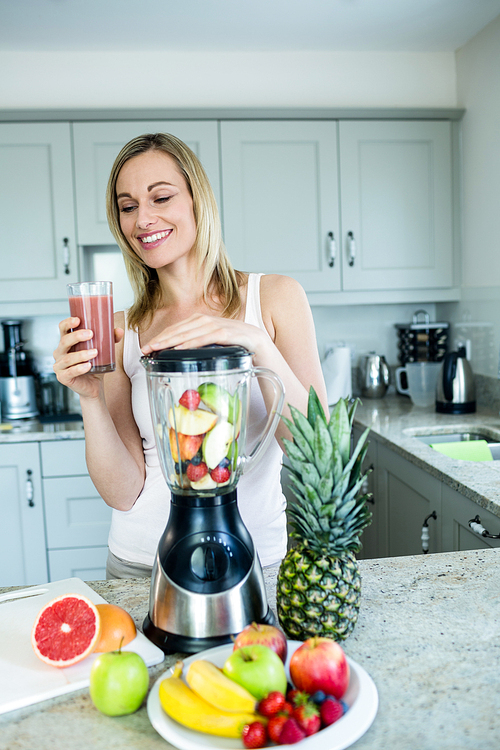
(202, 330)
(72, 368)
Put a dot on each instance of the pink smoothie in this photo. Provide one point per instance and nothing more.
(96, 314)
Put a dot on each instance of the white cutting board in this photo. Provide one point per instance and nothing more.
(24, 679)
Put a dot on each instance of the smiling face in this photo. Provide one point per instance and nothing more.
(156, 209)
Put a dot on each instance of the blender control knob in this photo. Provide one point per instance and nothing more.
(209, 562)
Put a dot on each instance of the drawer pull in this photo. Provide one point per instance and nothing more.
(425, 532)
(333, 249)
(351, 244)
(30, 492)
(66, 254)
(478, 528)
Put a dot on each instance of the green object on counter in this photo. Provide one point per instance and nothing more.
(465, 450)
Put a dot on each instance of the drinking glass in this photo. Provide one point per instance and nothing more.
(92, 302)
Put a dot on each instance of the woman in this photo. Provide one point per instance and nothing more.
(163, 215)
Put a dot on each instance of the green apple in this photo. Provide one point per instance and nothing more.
(257, 668)
(119, 682)
(220, 401)
(191, 422)
(216, 443)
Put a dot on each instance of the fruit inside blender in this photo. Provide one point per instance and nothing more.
(203, 430)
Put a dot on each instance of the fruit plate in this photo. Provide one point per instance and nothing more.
(361, 697)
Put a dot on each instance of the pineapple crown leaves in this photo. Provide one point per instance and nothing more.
(326, 479)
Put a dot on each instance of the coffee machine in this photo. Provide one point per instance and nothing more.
(17, 376)
(207, 582)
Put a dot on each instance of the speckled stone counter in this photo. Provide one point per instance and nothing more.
(31, 430)
(428, 634)
(395, 422)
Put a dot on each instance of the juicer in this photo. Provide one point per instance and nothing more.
(207, 582)
(17, 376)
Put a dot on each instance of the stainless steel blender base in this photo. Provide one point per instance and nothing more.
(183, 621)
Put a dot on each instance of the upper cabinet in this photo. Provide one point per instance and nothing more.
(352, 206)
(36, 211)
(97, 145)
(280, 201)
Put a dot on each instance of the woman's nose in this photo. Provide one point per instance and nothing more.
(145, 216)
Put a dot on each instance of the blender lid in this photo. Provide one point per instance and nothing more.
(214, 357)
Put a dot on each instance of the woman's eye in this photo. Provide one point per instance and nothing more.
(126, 209)
(163, 199)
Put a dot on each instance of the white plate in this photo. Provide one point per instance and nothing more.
(361, 697)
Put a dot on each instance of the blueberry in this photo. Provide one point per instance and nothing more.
(196, 459)
(318, 697)
(344, 706)
(224, 463)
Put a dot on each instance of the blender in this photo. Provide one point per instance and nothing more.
(207, 582)
(17, 376)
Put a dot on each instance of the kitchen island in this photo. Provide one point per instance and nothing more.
(428, 634)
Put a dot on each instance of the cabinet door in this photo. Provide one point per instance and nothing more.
(457, 534)
(412, 495)
(396, 196)
(76, 515)
(97, 144)
(23, 558)
(374, 536)
(280, 199)
(88, 564)
(36, 204)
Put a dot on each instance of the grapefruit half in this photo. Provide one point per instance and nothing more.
(66, 630)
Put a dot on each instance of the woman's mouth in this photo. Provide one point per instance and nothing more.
(149, 239)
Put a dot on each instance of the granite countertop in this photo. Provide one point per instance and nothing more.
(32, 430)
(395, 422)
(428, 634)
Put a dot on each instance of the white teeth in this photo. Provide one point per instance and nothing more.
(154, 237)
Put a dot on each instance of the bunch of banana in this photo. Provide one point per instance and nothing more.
(192, 711)
(212, 684)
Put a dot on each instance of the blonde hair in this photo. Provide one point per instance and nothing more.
(220, 280)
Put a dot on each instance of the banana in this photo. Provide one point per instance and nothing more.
(212, 684)
(189, 709)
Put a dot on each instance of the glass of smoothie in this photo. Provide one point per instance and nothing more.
(92, 302)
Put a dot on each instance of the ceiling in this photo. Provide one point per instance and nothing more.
(242, 25)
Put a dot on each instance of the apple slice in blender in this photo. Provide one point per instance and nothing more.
(191, 422)
(205, 483)
(216, 443)
(189, 445)
(220, 401)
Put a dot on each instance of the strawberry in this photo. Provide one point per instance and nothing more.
(195, 472)
(254, 735)
(330, 711)
(290, 696)
(220, 474)
(287, 708)
(275, 725)
(272, 703)
(190, 399)
(307, 717)
(291, 733)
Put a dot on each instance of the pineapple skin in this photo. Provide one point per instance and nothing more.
(318, 594)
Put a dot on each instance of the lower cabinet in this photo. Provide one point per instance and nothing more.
(54, 523)
(77, 518)
(373, 537)
(457, 512)
(23, 554)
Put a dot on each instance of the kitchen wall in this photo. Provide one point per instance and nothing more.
(478, 91)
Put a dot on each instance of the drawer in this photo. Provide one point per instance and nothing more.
(63, 458)
(75, 514)
(87, 564)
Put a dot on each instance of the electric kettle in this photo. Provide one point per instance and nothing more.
(375, 376)
(456, 392)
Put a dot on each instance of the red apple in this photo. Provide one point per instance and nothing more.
(320, 664)
(266, 635)
(189, 445)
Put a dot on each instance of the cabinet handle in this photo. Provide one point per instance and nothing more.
(425, 532)
(478, 528)
(351, 244)
(66, 254)
(30, 492)
(332, 248)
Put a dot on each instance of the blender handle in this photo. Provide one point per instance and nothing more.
(273, 417)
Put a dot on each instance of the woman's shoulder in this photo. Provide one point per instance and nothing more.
(277, 288)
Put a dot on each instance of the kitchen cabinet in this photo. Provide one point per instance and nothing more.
(77, 519)
(373, 537)
(409, 496)
(97, 144)
(23, 556)
(37, 212)
(457, 512)
(388, 227)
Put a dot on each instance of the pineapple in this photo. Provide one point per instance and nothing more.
(319, 586)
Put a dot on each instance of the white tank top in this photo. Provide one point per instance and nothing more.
(135, 533)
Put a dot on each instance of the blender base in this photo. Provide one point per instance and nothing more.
(172, 643)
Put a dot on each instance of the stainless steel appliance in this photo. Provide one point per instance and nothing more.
(17, 377)
(421, 340)
(207, 582)
(456, 391)
(375, 376)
